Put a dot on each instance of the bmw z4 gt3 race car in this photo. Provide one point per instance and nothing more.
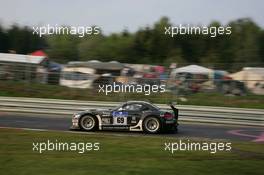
(130, 116)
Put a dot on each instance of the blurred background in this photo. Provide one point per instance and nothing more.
(227, 70)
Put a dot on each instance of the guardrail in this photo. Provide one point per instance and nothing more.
(189, 113)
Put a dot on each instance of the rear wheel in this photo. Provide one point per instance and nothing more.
(88, 123)
(151, 125)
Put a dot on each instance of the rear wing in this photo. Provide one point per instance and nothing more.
(175, 111)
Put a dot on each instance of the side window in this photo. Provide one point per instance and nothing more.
(132, 107)
(144, 108)
(124, 107)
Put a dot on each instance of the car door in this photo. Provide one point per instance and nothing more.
(120, 116)
(134, 113)
(127, 115)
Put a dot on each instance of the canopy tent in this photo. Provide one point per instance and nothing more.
(39, 53)
(18, 58)
(193, 69)
(251, 76)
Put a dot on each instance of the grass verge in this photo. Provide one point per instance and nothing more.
(121, 155)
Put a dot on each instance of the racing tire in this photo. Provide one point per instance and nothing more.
(151, 125)
(88, 123)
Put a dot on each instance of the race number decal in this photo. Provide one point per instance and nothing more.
(120, 118)
(120, 121)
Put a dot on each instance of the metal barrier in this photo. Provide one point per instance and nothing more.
(188, 113)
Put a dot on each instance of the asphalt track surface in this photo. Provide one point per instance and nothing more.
(186, 130)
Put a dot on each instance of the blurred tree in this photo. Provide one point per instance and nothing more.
(149, 45)
(113, 47)
(261, 47)
(22, 40)
(89, 48)
(175, 56)
(3, 40)
(245, 46)
(63, 48)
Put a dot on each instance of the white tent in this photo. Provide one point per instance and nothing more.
(193, 69)
(18, 58)
(253, 77)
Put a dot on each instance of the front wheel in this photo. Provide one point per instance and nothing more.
(88, 123)
(151, 125)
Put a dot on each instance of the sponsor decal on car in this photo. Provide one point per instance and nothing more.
(120, 117)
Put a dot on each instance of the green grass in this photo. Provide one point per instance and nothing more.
(20, 89)
(120, 155)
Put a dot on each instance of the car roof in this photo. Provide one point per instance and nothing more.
(138, 102)
(143, 102)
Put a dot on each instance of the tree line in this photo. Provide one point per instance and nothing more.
(148, 45)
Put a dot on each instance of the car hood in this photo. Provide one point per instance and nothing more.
(98, 111)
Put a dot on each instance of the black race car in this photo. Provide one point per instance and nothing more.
(130, 116)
